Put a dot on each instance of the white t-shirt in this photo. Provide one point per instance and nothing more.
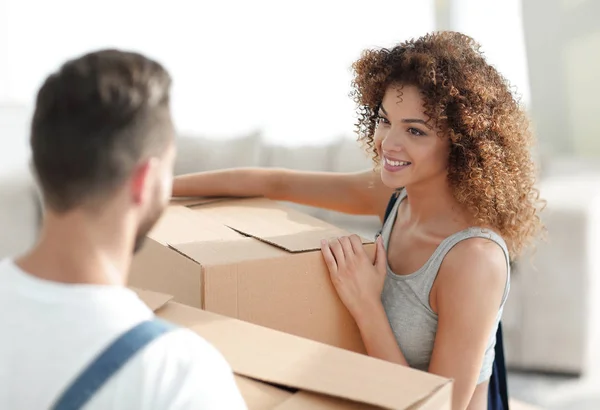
(49, 332)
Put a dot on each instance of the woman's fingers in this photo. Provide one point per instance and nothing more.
(329, 258)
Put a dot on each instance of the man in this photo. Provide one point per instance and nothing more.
(103, 152)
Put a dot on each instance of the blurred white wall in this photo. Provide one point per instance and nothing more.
(498, 27)
(563, 49)
(239, 66)
(283, 68)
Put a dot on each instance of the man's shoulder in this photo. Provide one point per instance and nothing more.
(180, 370)
(181, 344)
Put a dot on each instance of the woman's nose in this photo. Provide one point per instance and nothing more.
(392, 141)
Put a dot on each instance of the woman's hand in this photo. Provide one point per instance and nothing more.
(358, 282)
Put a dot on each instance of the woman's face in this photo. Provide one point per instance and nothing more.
(410, 151)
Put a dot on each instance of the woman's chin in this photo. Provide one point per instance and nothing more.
(392, 180)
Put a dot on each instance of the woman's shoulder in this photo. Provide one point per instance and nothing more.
(478, 261)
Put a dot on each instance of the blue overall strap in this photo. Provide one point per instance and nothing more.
(388, 209)
(107, 363)
(498, 389)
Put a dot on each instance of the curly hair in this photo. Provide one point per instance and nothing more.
(490, 169)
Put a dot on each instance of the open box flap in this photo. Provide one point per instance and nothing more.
(224, 252)
(273, 223)
(306, 400)
(180, 224)
(259, 395)
(300, 242)
(282, 359)
(154, 300)
(195, 201)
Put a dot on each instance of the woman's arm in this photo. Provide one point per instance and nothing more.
(466, 295)
(359, 283)
(470, 286)
(360, 193)
(377, 335)
(469, 289)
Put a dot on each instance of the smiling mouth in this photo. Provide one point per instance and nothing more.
(395, 163)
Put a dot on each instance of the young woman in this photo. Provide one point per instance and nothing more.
(451, 144)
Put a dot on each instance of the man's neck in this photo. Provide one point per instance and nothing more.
(80, 248)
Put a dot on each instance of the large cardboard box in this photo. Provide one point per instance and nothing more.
(275, 370)
(251, 259)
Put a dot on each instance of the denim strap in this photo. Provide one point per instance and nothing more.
(105, 365)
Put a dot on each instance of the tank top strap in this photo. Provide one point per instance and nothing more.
(388, 223)
(434, 263)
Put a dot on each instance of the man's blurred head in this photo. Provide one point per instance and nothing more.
(102, 134)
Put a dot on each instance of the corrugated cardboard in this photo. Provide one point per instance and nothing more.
(252, 259)
(194, 201)
(276, 370)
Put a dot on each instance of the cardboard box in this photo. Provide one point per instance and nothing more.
(275, 370)
(251, 259)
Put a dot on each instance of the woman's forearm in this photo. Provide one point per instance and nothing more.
(353, 193)
(238, 182)
(377, 335)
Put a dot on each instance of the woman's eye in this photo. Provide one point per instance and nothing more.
(415, 132)
(382, 120)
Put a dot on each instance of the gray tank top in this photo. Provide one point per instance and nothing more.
(406, 299)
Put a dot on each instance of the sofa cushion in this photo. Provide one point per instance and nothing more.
(200, 153)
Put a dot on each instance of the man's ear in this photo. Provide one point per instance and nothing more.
(141, 181)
